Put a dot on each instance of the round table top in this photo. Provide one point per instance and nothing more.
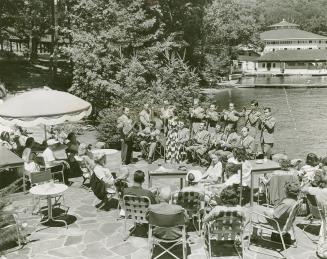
(47, 189)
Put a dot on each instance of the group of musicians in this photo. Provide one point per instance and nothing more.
(204, 133)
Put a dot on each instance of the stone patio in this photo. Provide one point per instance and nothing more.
(98, 234)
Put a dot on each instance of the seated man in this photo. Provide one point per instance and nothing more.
(282, 210)
(200, 143)
(51, 161)
(151, 137)
(247, 142)
(136, 188)
(215, 139)
(229, 140)
(165, 208)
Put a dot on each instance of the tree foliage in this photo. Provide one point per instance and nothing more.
(227, 25)
(123, 56)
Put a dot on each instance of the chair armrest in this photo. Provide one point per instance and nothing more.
(267, 205)
(265, 216)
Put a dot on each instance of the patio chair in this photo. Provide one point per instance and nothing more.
(171, 222)
(136, 208)
(226, 226)
(315, 216)
(120, 185)
(193, 203)
(59, 168)
(11, 232)
(273, 226)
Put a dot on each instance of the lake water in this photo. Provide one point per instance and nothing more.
(286, 80)
(301, 122)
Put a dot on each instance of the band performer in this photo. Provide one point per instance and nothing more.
(267, 127)
(197, 114)
(125, 126)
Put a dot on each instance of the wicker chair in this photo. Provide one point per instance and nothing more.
(136, 208)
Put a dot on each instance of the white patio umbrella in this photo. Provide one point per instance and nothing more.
(43, 107)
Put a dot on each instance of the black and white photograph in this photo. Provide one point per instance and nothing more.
(163, 129)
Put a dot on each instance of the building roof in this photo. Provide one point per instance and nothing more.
(290, 34)
(284, 24)
(295, 55)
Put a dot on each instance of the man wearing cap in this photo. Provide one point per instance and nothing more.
(51, 161)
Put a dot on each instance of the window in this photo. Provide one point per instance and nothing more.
(273, 65)
(263, 65)
(274, 49)
(310, 41)
(298, 48)
(310, 48)
(285, 48)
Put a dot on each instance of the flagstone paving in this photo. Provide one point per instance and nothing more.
(98, 234)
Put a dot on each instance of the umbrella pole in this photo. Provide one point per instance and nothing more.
(45, 132)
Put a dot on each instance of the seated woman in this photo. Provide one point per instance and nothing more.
(102, 172)
(239, 158)
(214, 172)
(5, 140)
(307, 171)
(72, 151)
(28, 156)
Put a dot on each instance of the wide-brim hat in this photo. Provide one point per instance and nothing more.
(51, 142)
(194, 176)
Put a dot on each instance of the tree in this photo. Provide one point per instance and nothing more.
(26, 19)
(227, 25)
(118, 50)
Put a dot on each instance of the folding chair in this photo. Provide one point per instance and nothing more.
(136, 208)
(226, 226)
(11, 232)
(193, 203)
(273, 226)
(315, 216)
(60, 171)
(120, 185)
(171, 222)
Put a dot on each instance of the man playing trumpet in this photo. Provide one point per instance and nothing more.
(267, 126)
